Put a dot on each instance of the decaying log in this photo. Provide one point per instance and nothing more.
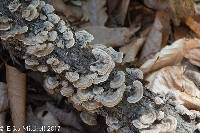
(85, 74)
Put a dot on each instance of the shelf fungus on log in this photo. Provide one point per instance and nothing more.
(87, 75)
(138, 89)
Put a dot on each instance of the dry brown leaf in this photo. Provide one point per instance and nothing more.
(194, 56)
(71, 12)
(172, 78)
(170, 55)
(132, 49)
(95, 12)
(156, 4)
(177, 9)
(118, 10)
(181, 9)
(109, 36)
(16, 83)
(193, 25)
(158, 36)
(181, 32)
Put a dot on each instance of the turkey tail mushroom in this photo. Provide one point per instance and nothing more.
(137, 85)
(16, 83)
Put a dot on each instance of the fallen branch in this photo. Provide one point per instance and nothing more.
(16, 83)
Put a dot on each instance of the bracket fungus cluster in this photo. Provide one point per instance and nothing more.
(85, 74)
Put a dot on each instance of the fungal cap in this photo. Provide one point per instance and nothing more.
(118, 80)
(70, 43)
(75, 100)
(53, 18)
(102, 56)
(138, 92)
(50, 83)
(47, 8)
(138, 124)
(98, 90)
(158, 100)
(53, 61)
(60, 67)
(112, 99)
(101, 79)
(83, 37)
(67, 34)
(52, 35)
(72, 76)
(116, 56)
(91, 105)
(169, 124)
(40, 50)
(85, 81)
(67, 91)
(48, 25)
(148, 118)
(160, 115)
(112, 122)
(135, 72)
(31, 62)
(84, 95)
(17, 30)
(14, 5)
(42, 68)
(61, 26)
(30, 13)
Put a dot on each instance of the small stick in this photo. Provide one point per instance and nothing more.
(16, 83)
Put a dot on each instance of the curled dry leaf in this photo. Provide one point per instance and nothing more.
(95, 12)
(171, 55)
(193, 23)
(132, 49)
(193, 56)
(172, 79)
(109, 36)
(16, 83)
(157, 37)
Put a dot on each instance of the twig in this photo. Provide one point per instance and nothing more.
(16, 83)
